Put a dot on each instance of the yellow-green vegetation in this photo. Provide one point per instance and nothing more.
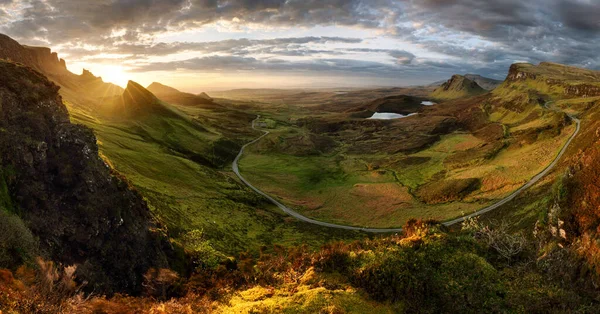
(381, 190)
(480, 268)
(170, 164)
(457, 87)
(304, 298)
(575, 106)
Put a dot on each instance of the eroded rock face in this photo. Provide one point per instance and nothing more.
(66, 194)
(515, 73)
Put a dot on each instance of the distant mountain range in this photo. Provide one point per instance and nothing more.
(174, 96)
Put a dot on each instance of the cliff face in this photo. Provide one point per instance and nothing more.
(82, 90)
(571, 81)
(39, 58)
(66, 194)
(46, 60)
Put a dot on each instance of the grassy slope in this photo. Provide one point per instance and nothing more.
(346, 188)
(188, 196)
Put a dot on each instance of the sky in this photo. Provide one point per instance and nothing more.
(206, 45)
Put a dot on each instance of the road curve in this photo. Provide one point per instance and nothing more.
(288, 210)
(528, 184)
(298, 216)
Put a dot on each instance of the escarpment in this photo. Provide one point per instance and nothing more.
(82, 214)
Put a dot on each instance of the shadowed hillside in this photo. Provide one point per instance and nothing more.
(174, 96)
(53, 179)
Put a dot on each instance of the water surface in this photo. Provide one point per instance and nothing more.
(389, 116)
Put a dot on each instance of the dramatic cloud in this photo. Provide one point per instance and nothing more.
(391, 38)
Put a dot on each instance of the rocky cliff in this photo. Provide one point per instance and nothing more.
(561, 80)
(39, 58)
(85, 91)
(82, 214)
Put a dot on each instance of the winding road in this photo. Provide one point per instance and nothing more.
(298, 216)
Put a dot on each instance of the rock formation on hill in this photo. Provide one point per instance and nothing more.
(84, 90)
(82, 214)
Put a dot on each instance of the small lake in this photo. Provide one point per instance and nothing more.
(428, 103)
(389, 116)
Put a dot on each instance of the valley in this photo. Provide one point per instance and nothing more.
(324, 177)
(468, 195)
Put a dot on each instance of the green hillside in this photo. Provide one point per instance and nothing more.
(457, 87)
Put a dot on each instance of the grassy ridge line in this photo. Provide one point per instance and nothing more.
(288, 210)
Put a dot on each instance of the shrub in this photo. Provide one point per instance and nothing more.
(17, 244)
(161, 283)
(200, 249)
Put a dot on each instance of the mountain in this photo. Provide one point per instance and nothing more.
(54, 180)
(174, 96)
(84, 91)
(484, 82)
(205, 96)
(457, 87)
(560, 80)
(136, 101)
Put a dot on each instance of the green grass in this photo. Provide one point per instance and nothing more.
(378, 190)
(188, 196)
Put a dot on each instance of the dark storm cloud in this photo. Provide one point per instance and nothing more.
(499, 32)
(580, 15)
(293, 46)
(324, 66)
(93, 21)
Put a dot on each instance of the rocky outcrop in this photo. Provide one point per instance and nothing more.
(582, 90)
(82, 213)
(575, 82)
(46, 59)
(89, 76)
(516, 72)
(39, 58)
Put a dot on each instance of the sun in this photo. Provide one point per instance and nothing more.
(113, 74)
